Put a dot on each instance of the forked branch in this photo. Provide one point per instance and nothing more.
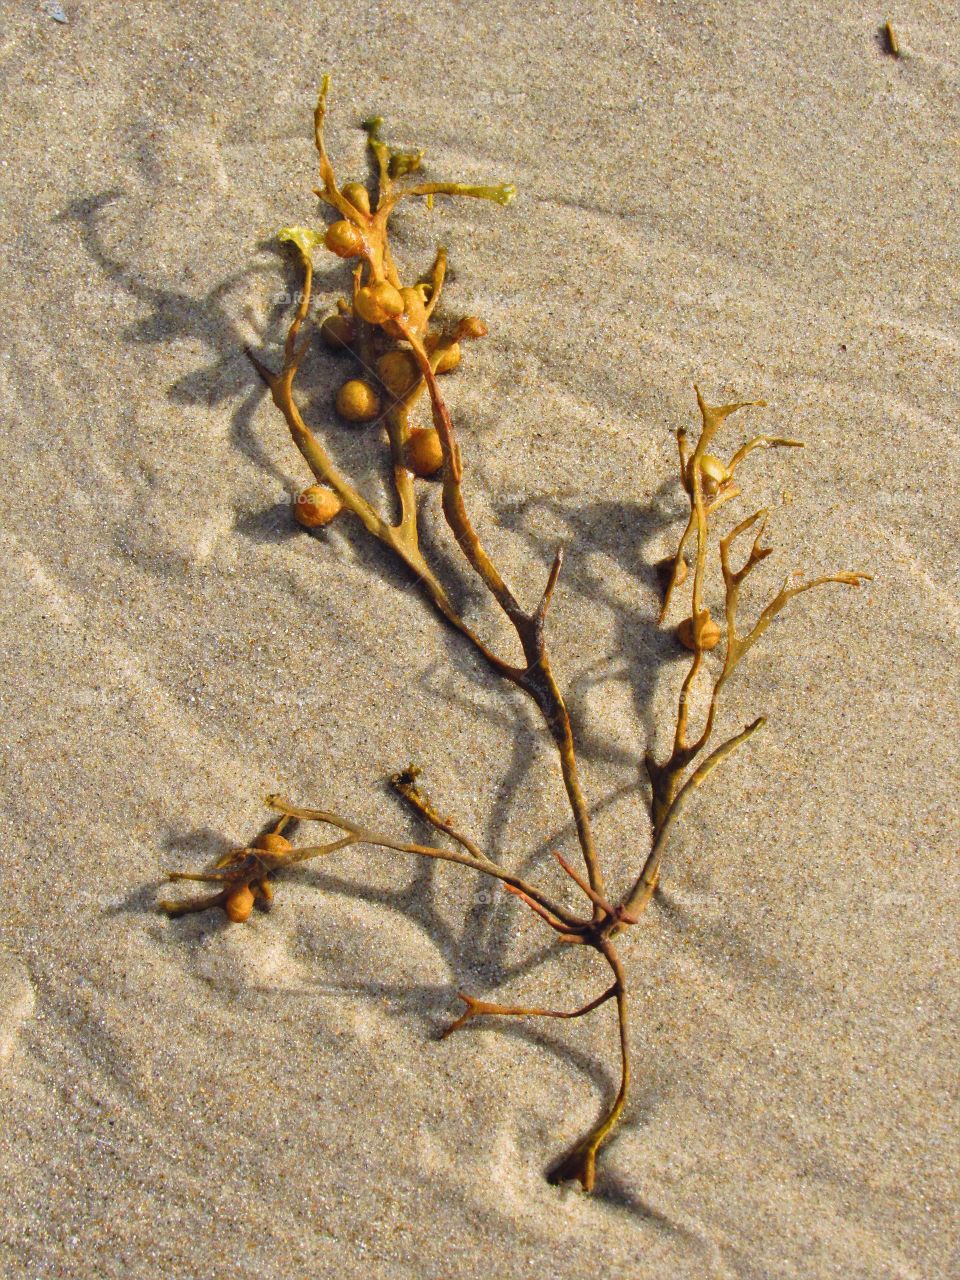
(401, 351)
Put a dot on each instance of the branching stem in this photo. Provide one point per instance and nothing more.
(391, 330)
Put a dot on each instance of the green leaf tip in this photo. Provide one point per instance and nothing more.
(404, 162)
(503, 194)
(305, 238)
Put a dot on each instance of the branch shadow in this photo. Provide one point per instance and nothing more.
(734, 952)
(430, 1003)
(615, 530)
(621, 533)
(175, 315)
(615, 1192)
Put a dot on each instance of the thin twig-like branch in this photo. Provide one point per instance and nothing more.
(363, 835)
(536, 678)
(484, 1009)
(646, 883)
(581, 1163)
(405, 784)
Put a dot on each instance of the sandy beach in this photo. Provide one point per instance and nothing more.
(758, 199)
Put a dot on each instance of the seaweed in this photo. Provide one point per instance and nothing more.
(402, 350)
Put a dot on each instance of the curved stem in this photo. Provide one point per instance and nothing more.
(363, 835)
(401, 539)
(536, 679)
(581, 1163)
(405, 784)
(646, 883)
(483, 1009)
